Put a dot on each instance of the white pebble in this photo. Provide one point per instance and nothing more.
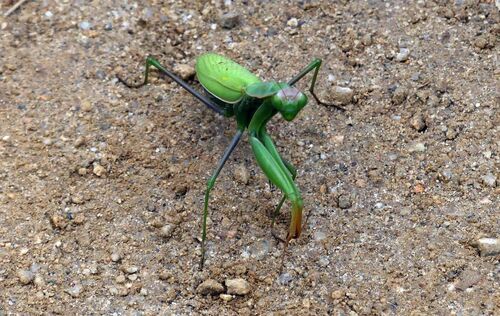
(489, 180)
(403, 54)
(237, 286)
(417, 147)
(488, 246)
(293, 22)
(25, 276)
(85, 25)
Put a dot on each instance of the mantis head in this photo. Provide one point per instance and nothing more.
(289, 101)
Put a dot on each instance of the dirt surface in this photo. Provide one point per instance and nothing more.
(101, 186)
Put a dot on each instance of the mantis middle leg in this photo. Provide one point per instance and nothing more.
(210, 185)
(315, 64)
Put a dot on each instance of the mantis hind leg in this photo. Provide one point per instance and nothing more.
(210, 185)
(316, 65)
(150, 61)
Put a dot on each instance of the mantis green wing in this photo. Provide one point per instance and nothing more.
(223, 78)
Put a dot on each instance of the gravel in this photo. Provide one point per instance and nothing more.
(211, 287)
(25, 276)
(488, 246)
(489, 180)
(344, 201)
(400, 189)
(343, 95)
(403, 54)
(230, 20)
(237, 286)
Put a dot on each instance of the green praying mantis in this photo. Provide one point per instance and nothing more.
(236, 92)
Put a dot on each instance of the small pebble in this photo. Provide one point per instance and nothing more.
(487, 154)
(167, 230)
(445, 175)
(419, 188)
(120, 279)
(99, 170)
(184, 71)
(130, 269)
(417, 147)
(79, 219)
(123, 291)
(39, 281)
(488, 246)
(418, 122)
(403, 54)
(229, 20)
(108, 26)
(226, 297)
(400, 95)
(76, 199)
(47, 141)
(25, 276)
(468, 278)
(344, 201)
(74, 291)
(293, 22)
(319, 235)
(241, 174)
(86, 106)
(306, 303)
(343, 95)
(451, 133)
(80, 141)
(379, 205)
(323, 261)
(338, 294)
(260, 249)
(367, 40)
(132, 277)
(115, 257)
(237, 286)
(57, 221)
(84, 25)
(285, 278)
(211, 287)
(481, 42)
(489, 180)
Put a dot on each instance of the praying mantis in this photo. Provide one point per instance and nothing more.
(236, 92)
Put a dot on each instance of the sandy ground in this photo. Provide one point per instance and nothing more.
(101, 186)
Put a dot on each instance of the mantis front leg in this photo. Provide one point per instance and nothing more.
(286, 166)
(276, 171)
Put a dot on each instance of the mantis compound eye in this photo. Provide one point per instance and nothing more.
(289, 101)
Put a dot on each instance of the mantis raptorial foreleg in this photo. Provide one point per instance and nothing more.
(276, 211)
(284, 165)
